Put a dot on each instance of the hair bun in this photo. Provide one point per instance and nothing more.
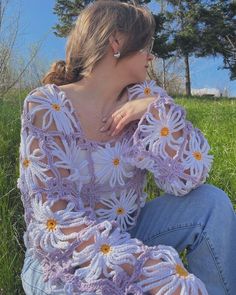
(59, 66)
(56, 74)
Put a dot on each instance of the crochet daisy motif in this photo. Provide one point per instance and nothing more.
(46, 230)
(158, 133)
(110, 250)
(169, 175)
(32, 162)
(57, 109)
(147, 88)
(71, 157)
(109, 164)
(119, 209)
(170, 274)
(195, 155)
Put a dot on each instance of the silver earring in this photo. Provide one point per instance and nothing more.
(117, 55)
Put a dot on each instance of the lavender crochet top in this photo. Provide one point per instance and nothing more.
(95, 190)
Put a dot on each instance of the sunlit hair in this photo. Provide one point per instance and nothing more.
(88, 40)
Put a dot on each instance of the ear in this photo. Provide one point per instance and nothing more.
(116, 41)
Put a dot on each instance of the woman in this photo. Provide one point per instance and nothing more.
(88, 137)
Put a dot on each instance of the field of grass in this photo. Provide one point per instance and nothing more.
(215, 117)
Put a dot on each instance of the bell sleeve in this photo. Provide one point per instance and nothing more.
(167, 145)
(78, 254)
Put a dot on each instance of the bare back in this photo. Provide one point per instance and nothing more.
(89, 117)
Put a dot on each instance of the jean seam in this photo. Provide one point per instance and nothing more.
(217, 263)
(25, 282)
(171, 229)
(36, 270)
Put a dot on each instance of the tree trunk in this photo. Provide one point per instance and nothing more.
(187, 76)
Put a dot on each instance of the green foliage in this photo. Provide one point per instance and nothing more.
(11, 209)
(218, 23)
(215, 117)
(201, 28)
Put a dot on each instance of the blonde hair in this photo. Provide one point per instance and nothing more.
(88, 41)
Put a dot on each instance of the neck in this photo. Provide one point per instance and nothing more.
(104, 86)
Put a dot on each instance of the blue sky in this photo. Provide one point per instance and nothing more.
(36, 23)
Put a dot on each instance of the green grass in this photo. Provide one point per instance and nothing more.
(11, 219)
(216, 119)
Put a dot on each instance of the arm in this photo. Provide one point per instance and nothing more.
(77, 253)
(169, 146)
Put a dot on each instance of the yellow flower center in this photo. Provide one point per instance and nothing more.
(165, 131)
(56, 107)
(105, 248)
(51, 224)
(26, 163)
(120, 211)
(181, 271)
(116, 162)
(147, 91)
(197, 155)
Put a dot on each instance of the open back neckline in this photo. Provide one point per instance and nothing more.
(77, 119)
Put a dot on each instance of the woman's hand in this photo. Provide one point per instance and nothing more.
(124, 114)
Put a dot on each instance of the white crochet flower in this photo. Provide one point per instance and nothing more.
(109, 164)
(169, 274)
(119, 209)
(106, 255)
(169, 175)
(57, 109)
(46, 228)
(32, 165)
(195, 156)
(72, 158)
(157, 134)
(146, 88)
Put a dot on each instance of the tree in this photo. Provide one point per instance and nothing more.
(218, 20)
(199, 28)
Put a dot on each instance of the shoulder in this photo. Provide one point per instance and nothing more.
(39, 95)
(144, 89)
(48, 109)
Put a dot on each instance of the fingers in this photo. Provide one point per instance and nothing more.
(121, 124)
(107, 124)
(110, 122)
(114, 124)
(114, 130)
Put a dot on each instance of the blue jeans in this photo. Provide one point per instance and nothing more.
(203, 222)
(32, 277)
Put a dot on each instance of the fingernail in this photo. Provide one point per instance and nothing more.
(102, 129)
(104, 119)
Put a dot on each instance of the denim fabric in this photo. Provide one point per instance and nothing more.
(203, 222)
(32, 277)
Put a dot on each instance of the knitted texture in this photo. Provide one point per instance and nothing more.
(79, 192)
